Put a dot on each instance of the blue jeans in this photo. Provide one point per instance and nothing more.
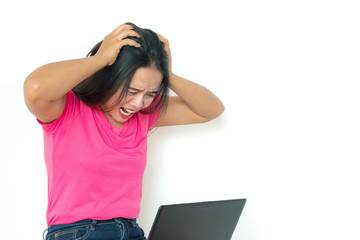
(118, 228)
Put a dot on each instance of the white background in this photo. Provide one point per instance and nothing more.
(287, 72)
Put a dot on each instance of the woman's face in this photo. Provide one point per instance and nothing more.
(143, 88)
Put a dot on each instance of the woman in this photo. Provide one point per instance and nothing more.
(96, 113)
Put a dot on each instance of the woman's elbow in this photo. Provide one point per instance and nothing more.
(219, 109)
(31, 90)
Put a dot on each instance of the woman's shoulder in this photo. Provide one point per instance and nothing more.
(73, 107)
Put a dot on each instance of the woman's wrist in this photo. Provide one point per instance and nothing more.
(172, 79)
(103, 60)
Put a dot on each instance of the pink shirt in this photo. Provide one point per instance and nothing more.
(95, 170)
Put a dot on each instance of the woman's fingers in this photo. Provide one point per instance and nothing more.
(166, 48)
(122, 28)
(124, 31)
(164, 40)
(112, 43)
(128, 41)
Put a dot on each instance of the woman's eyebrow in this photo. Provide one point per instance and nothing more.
(135, 89)
(140, 90)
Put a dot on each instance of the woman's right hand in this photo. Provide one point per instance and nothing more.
(45, 88)
(113, 42)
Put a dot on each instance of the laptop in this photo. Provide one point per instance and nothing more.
(215, 220)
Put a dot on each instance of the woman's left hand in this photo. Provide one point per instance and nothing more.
(193, 103)
(167, 49)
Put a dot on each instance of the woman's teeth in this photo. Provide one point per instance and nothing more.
(126, 111)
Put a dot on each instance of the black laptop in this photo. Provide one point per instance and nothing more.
(214, 220)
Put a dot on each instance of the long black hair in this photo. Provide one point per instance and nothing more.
(101, 86)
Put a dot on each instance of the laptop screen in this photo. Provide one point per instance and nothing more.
(214, 220)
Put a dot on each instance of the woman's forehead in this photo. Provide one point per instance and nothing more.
(146, 79)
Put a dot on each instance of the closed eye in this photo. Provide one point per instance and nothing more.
(152, 94)
(134, 91)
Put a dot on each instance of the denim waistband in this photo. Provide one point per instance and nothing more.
(91, 222)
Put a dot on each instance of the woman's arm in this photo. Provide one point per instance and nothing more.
(193, 103)
(45, 88)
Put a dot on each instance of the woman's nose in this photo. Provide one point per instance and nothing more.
(138, 102)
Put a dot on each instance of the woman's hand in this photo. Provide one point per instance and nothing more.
(113, 42)
(167, 50)
(193, 103)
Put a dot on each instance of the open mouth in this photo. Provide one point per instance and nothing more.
(126, 112)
